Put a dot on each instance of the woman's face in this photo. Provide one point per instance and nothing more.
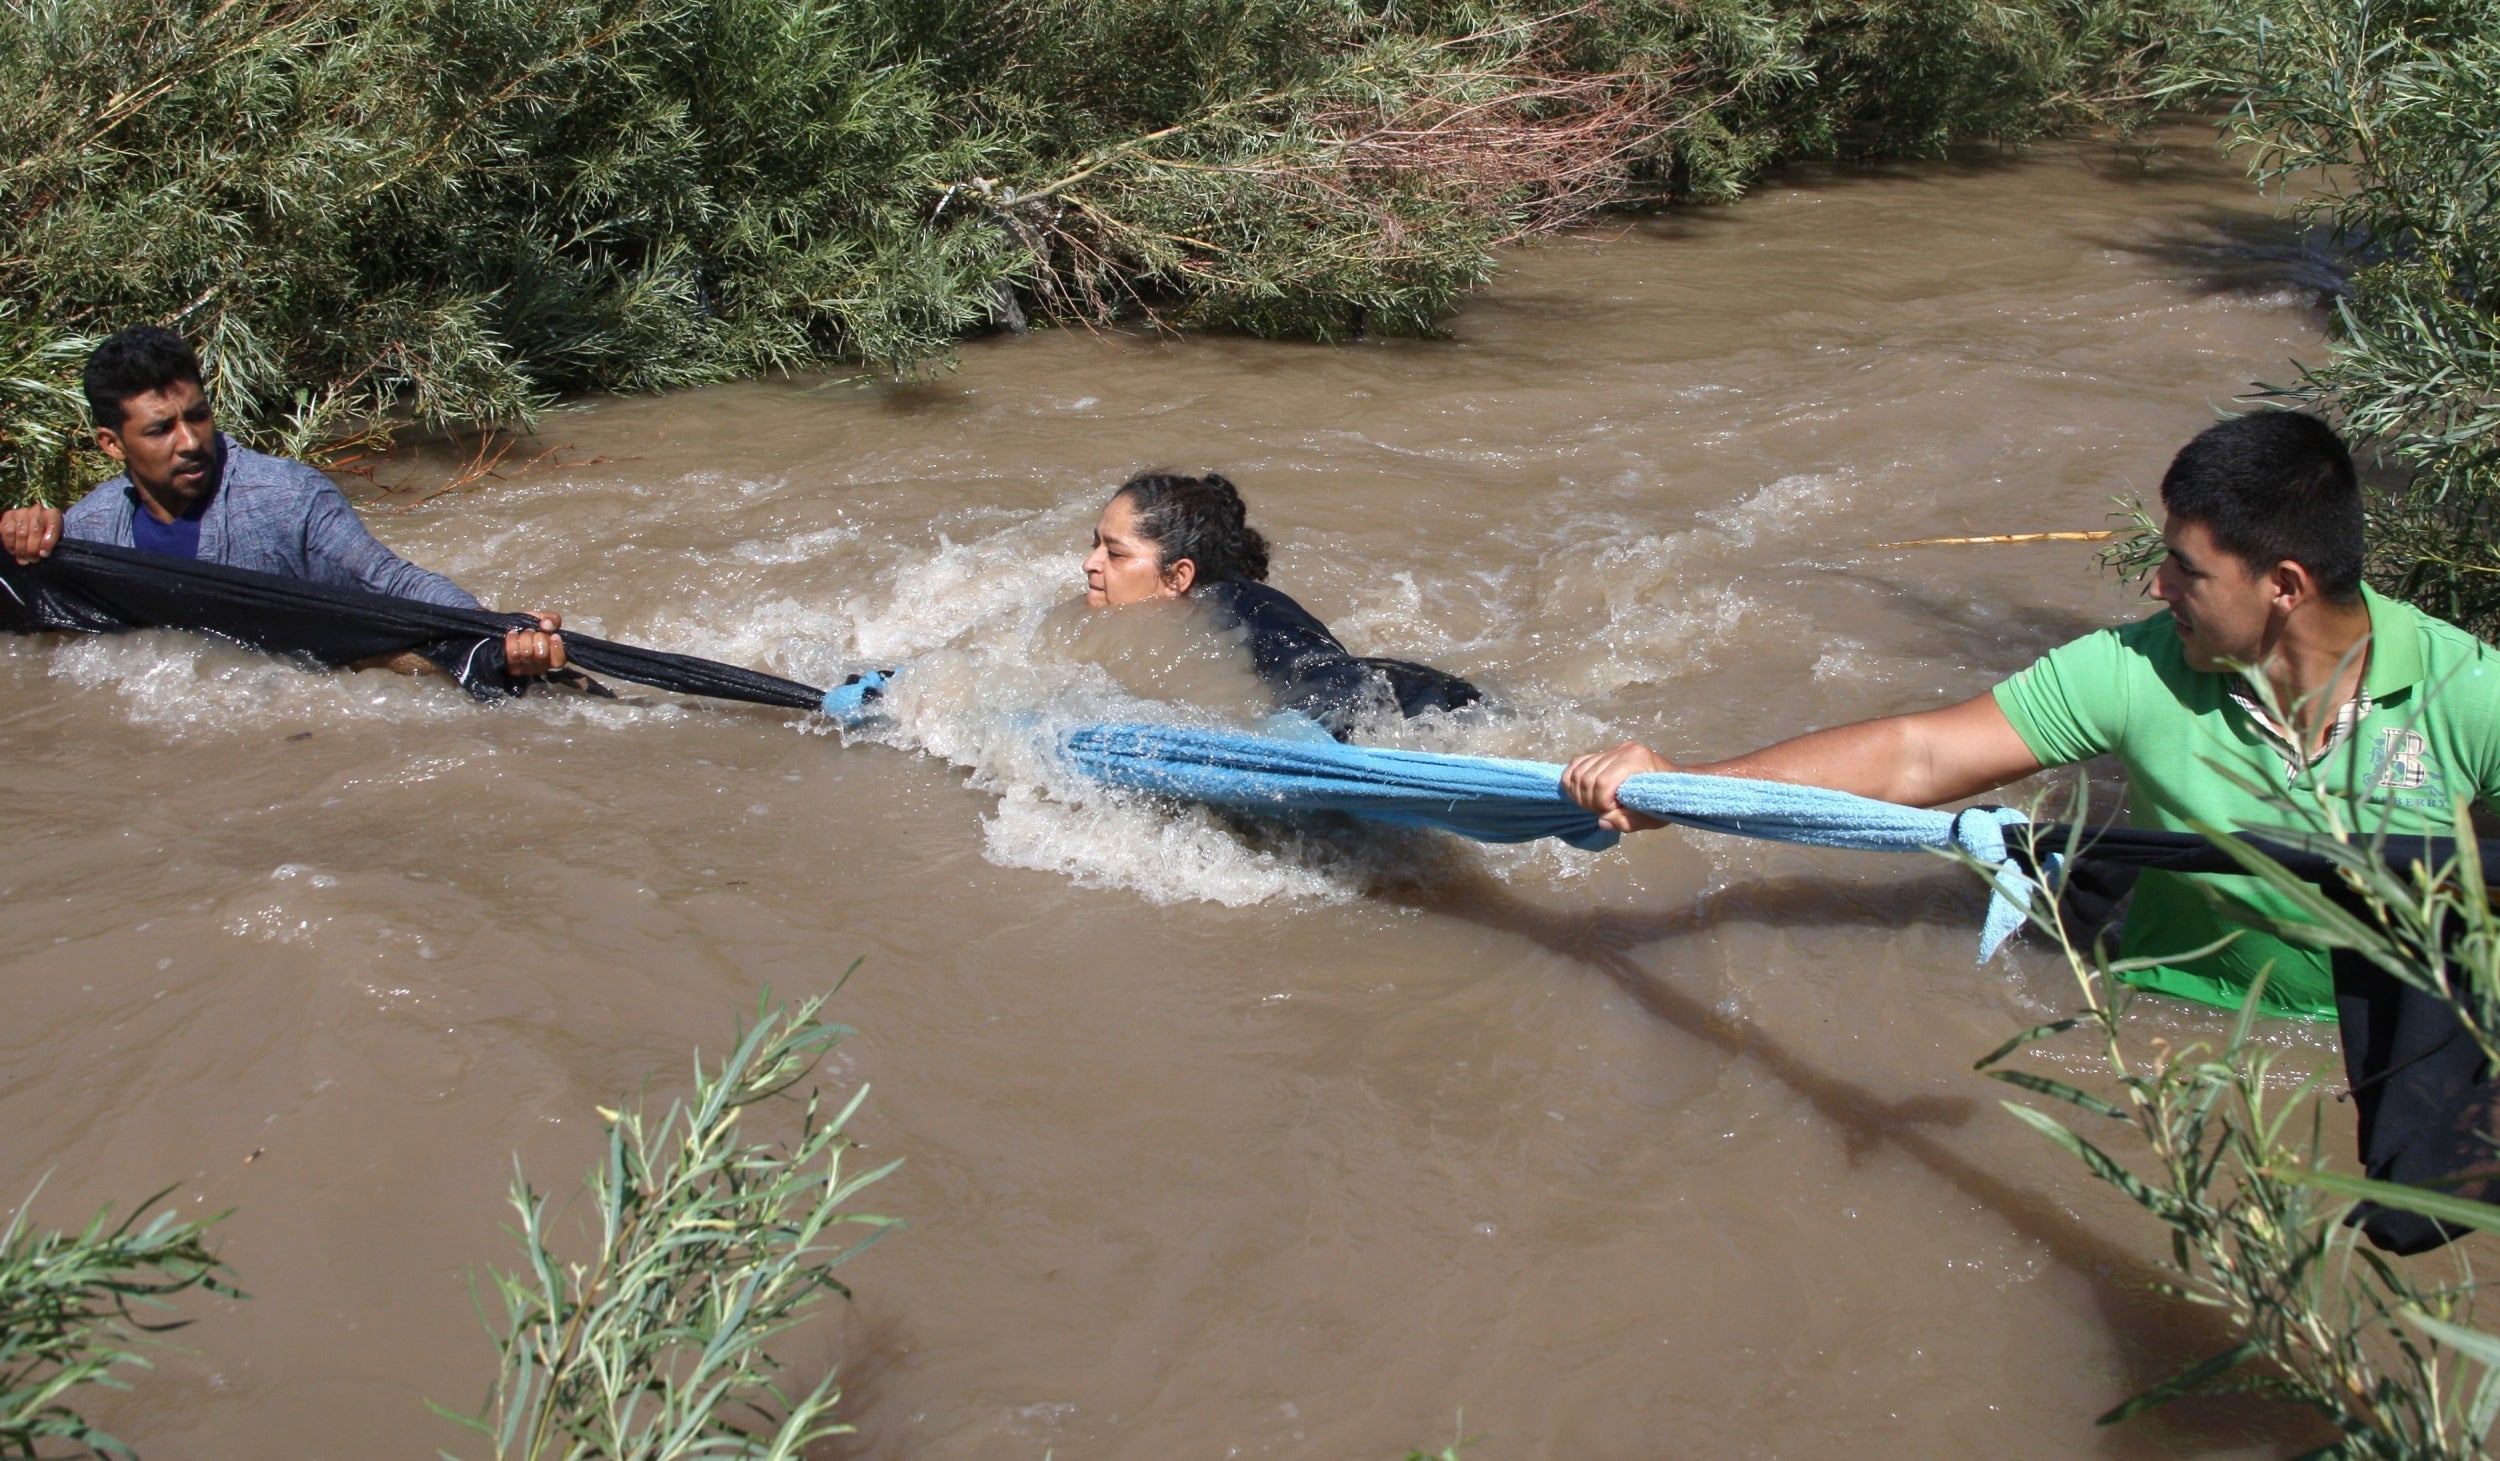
(1121, 569)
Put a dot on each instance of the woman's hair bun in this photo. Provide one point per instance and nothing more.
(1228, 499)
(1202, 519)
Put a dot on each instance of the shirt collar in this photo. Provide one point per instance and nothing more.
(2348, 718)
(2395, 663)
(2395, 647)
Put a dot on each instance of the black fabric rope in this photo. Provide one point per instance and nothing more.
(2188, 852)
(99, 589)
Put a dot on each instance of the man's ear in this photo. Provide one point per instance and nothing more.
(1180, 576)
(2290, 584)
(109, 442)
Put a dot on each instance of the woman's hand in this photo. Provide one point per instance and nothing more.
(1591, 780)
(529, 653)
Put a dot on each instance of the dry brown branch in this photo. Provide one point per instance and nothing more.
(484, 464)
(1547, 148)
(2095, 536)
(1523, 144)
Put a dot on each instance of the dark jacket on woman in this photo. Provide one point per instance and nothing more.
(1311, 672)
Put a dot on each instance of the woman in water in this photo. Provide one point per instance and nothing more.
(1165, 536)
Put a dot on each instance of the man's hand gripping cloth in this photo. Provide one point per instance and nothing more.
(1518, 801)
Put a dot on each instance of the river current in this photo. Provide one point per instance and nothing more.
(1219, 1140)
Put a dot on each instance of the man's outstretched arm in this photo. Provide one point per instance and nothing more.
(1920, 760)
(340, 550)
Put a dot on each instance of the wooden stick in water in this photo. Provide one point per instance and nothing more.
(2091, 537)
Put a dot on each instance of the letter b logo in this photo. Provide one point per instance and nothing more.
(2404, 760)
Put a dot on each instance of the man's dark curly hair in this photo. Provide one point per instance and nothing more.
(133, 362)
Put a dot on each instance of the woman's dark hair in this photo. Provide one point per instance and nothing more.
(1201, 519)
(2272, 487)
(133, 362)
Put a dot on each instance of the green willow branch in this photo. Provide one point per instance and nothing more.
(2375, 120)
(67, 1320)
(712, 1246)
(2232, 1159)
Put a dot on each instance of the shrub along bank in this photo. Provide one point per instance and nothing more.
(446, 211)
(2388, 115)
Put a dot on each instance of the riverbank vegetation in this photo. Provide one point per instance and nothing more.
(713, 1244)
(2386, 118)
(447, 212)
(444, 211)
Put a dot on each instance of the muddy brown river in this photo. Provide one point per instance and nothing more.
(1218, 1141)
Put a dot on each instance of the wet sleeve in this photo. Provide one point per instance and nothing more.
(341, 552)
(2070, 704)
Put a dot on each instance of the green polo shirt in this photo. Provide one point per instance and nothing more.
(2431, 733)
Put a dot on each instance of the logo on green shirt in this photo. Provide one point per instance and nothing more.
(2405, 769)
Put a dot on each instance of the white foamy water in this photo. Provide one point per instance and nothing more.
(998, 666)
(999, 661)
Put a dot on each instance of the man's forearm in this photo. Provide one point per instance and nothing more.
(1877, 758)
(1919, 760)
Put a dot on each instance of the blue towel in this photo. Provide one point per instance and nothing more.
(1816, 817)
(1297, 767)
(1478, 796)
(1495, 800)
(853, 701)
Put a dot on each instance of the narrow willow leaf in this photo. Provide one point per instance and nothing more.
(2036, 1032)
(2486, 1407)
(2097, 1161)
(2058, 1090)
(2187, 1382)
(2464, 1212)
(2473, 1343)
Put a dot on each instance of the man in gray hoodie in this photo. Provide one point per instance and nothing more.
(189, 491)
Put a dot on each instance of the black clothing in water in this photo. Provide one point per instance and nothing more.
(1311, 672)
(2429, 1108)
(97, 588)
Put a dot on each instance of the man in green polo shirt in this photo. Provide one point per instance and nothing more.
(2388, 714)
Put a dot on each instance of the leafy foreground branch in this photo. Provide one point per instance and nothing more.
(2229, 1154)
(66, 1316)
(712, 1245)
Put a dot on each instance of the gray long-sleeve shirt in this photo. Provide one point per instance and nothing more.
(276, 516)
